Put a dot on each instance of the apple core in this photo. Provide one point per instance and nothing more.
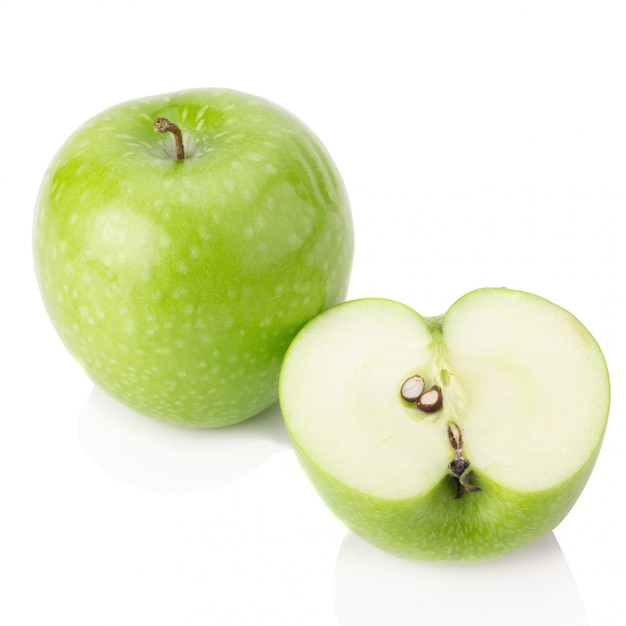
(430, 401)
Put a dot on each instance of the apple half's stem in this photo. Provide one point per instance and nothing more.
(459, 468)
(163, 125)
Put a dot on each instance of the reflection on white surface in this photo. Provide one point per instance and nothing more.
(163, 458)
(533, 586)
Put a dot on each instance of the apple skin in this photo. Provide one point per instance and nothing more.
(434, 524)
(507, 521)
(179, 284)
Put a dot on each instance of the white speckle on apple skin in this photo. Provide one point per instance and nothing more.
(201, 111)
(294, 240)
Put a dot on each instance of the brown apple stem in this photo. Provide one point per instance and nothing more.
(459, 468)
(163, 125)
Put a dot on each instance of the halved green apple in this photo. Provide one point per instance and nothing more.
(465, 436)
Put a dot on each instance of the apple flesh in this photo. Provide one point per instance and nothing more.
(178, 283)
(524, 403)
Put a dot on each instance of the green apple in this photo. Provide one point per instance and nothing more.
(178, 266)
(461, 437)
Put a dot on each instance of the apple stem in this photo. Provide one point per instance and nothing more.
(163, 125)
(459, 468)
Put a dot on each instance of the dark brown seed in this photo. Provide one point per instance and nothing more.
(430, 400)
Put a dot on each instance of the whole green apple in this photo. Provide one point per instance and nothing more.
(461, 437)
(178, 266)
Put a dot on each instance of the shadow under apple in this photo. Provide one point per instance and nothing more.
(164, 458)
(532, 586)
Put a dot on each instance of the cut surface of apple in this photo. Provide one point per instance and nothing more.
(521, 394)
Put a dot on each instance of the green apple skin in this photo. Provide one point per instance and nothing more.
(436, 526)
(179, 284)
(433, 525)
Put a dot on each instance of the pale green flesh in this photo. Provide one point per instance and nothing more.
(521, 377)
(179, 285)
(342, 400)
(532, 388)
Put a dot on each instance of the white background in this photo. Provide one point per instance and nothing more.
(482, 144)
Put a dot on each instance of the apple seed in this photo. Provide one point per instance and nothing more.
(454, 437)
(430, 400)
(412, 388)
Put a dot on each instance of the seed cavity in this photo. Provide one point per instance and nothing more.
(459, 469)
